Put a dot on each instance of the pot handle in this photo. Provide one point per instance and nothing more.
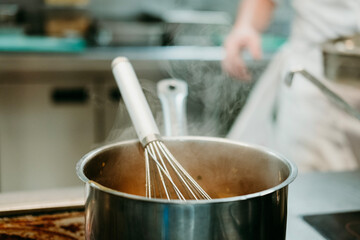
(336, 99)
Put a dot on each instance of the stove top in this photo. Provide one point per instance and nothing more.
(336, 226)
(66, 225)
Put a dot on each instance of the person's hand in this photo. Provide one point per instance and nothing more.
(240, 39)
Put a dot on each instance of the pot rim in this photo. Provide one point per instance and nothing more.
(86, 158)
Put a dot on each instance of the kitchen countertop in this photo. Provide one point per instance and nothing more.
(99, 58)
(311, 193)
(320, 193)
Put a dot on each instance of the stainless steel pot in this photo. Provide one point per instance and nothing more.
(248, 184)
(342, 60)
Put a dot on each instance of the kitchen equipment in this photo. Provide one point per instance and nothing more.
(9, 13)
(165, 177)
(336, 99)
(172, 94)
(199, 28)
(67, 22)
(128, 33)
(342, 60)
(68, 3)
(21, 16)
(248, 184)
(334, 226)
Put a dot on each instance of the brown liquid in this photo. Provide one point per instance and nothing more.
(222, 170)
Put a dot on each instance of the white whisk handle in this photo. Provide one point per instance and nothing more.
(135, 101)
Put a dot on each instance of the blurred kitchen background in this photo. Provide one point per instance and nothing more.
(58, 98)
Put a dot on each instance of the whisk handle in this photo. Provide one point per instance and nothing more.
(135, 101)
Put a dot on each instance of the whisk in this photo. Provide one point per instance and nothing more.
(165, 177)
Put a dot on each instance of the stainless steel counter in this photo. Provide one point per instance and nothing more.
(99, 59)
(311, 193)
(320, 193)
(27, 201)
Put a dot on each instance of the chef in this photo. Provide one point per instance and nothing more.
(298, 122)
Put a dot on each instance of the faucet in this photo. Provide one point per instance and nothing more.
(172, 94)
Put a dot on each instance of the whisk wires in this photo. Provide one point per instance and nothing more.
(166, 178)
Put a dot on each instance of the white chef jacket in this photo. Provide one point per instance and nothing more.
(300, 122)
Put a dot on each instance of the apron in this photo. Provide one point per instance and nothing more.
(299, 121)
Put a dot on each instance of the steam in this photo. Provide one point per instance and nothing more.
(214, 99)
(213, 102)
(123, 128)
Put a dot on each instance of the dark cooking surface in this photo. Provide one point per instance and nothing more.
(337, 226)
(56, 226)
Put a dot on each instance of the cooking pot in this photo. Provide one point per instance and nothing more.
(342, 60)
(248, 184)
